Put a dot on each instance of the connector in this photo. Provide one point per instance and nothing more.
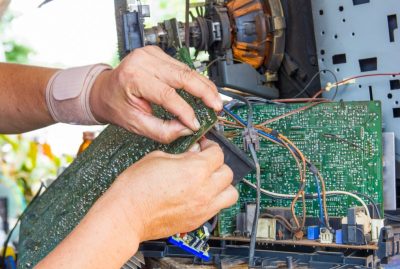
(250, 136)
(325, 236)
(376, 227)
(330, 85)
(356, 227)
(266, 229)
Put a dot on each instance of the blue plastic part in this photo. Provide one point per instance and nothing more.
(185, 247)
(339, 237)
(313, 232)
(10, 263)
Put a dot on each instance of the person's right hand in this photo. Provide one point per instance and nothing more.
(146, 76)
(169, 194)
(159, 196)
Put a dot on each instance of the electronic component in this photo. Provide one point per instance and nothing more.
(194, 242)
(250, 212)
(339, 237)
(266, 229)
(313, 232)
(283, 216)
(236, 159)
(325, 236)
(356, 227)
(252, 32)
(376, 227)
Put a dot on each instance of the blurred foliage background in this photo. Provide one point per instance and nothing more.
(24, 165)
(15, 52)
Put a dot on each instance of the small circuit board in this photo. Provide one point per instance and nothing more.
(195, 242)
(342, 139)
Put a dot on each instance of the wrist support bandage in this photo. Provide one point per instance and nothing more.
(68, 94)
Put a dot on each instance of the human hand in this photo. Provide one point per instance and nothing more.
(122, 96)
(169, 194)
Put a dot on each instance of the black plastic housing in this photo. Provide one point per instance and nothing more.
(235, 158)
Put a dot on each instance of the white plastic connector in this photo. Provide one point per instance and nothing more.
(266, 229)
(325, 236)
(376, 227)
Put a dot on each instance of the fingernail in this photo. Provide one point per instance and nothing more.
(195, 148)
(186, 132)
(196, 123)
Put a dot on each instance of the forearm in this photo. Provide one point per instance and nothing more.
(22, 98)
(106, 238)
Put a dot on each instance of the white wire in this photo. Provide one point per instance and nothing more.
(352, 195)
(281, 195)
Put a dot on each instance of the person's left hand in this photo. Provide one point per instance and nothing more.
(147, 75)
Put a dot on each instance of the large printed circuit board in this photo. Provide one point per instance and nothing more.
(342, 139)
(51, 217)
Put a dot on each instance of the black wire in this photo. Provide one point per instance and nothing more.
(214, 223)
(312, 80)
(294, 83)
(44, 3)
(260, 100)
(244, 100)
(253, 237)
(392, 217)
(337, 86)
(187, 32)
(3, 258)
(371, 200)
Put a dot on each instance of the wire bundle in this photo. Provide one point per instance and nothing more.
(303, 164)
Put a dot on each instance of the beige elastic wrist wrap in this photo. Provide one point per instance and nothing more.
(68, 94)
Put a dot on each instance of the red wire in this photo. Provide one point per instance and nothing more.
(369, 75)
(356, 77)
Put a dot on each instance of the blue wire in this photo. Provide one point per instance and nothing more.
(321, 212)
(238, 118)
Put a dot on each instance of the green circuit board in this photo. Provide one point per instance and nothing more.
(342, 139)
(51, 217)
